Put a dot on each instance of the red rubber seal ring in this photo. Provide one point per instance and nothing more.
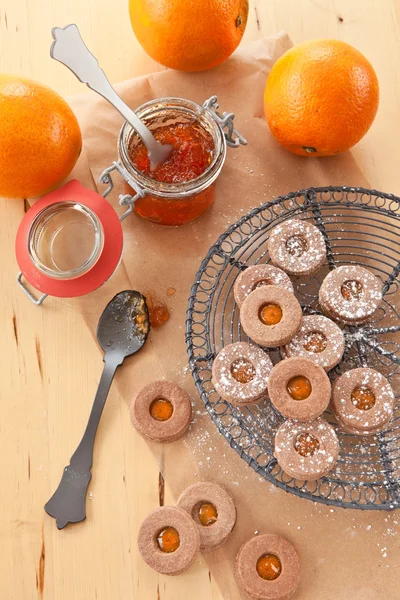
(101, 270)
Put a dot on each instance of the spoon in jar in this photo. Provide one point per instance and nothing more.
(122, 331)
(69, 49)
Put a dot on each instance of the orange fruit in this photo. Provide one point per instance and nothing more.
(321, 98)
(40, 139)
(189, 35)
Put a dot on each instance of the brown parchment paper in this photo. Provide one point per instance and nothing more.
(344, 554)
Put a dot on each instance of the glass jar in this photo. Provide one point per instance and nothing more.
(65, 240)
(68, 244)
(173, 203)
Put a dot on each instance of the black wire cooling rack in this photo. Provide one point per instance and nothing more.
(361, 227)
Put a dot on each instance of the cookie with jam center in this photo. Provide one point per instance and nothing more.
(299, 389)
(297, 247)
(267, 567)
(306, 451)
(362, 401)
(271, 316)
(240, 373)
(350, 294)
(319, 339)
(161, 411)
(257, 276)
(169, 540)
(213, 511)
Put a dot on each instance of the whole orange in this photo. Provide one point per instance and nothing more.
(189, 35)
(40, 139)
(321, 97)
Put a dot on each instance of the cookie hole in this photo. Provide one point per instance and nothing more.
(270, 314)
(352, 290)
(315, 342)
(299, 387)
(205, 513)
(269, 567)
(306, 444)
(243, 370)
(161, 409)
(168, 539)
(296, 245)
(363, 398)
(261, 283)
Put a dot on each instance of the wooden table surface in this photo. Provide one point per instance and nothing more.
(43, 351)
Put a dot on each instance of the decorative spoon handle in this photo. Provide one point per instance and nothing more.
(69, 49)
(67, 505)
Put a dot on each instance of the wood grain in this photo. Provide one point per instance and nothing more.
(49, 363)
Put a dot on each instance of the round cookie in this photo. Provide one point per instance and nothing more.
(213, 511)
(306, 450)
(240, 373)
(168, 540)
(362, 401)
(318, 339)
(277, 561)
(256, 276)
(350, 294)
(161, 411)
(297, 247)
(299, 389)
(271, 316)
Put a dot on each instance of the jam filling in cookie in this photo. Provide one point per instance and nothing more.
(299, 389)
(350, 294)
(207, 514)
(212, 510)
(318, 339)
(306, 450)
(268, 568)
(257, 276)
(362, 401)
(271, 316)
(161, 411)
(297, 247)
(240, 373)
(169, 540)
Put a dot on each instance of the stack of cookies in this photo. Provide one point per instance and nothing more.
(171, 536)
(306, 446)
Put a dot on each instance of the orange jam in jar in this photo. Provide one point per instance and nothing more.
(183, 187)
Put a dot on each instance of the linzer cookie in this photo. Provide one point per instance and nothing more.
(169, 540)
(271, 316)
(161, 411)
(257, 276)
(362, 401)
(299, 389)
(350, 294)
(213, 511)
(240, 373)
(306, 450)
(297, 247)
(318, 339)
(268, 568)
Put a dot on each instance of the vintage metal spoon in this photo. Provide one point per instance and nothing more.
(122, 331)
(69, 49)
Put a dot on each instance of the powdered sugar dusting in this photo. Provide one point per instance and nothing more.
(297, 247)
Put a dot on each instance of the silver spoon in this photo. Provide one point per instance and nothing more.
(69, 48)
(122, 331)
